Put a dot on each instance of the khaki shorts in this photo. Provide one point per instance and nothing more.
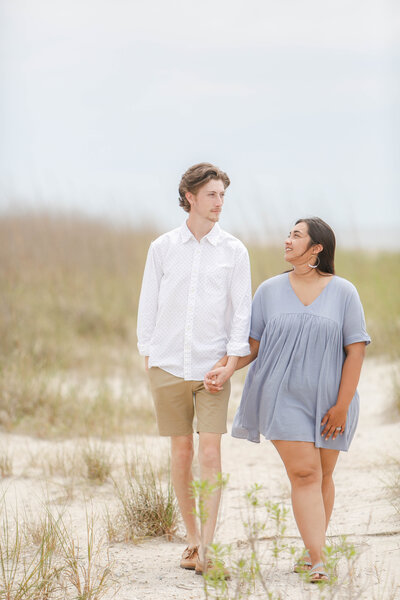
(176, 401)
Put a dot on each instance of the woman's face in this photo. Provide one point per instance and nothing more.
(298, 248)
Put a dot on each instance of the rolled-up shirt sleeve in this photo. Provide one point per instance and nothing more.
(238, 342)
(148, 301)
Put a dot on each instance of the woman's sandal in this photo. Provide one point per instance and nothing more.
(317, 573)
(303, 565)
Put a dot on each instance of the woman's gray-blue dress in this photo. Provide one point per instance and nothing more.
(296, 376)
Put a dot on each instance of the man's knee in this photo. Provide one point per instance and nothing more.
(210, 456)
(182, 450)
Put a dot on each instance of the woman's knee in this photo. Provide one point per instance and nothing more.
(327, 475)
(305, 475)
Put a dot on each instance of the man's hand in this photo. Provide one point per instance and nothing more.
(214, 379)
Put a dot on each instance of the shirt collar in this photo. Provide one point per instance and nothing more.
(212, 236)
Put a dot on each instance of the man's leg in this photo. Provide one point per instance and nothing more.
(181, 473)
(211, 412)
(210, 468)
(173, 402)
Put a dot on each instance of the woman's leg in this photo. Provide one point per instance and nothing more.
(303, 465)
(328, 463)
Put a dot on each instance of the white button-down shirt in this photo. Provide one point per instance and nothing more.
(195, 302)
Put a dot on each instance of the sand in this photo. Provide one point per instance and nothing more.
(365, 510)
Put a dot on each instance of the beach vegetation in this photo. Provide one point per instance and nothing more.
(148, 507)
(69, 295)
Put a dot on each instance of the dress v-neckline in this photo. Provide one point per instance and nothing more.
(315, 299)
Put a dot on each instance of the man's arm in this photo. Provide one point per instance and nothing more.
(148, 303)
(224, 368)
(238, 342)
(240, 297)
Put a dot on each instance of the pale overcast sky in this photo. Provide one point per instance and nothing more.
(104, 104)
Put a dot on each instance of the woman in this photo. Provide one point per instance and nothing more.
(308, 337)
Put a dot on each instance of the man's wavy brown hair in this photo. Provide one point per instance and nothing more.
(197, 176)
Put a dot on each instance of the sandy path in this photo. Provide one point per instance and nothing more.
(363, 510)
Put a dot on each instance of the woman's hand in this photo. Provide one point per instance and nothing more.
(214, 379)
(334, 422)
(335, 419)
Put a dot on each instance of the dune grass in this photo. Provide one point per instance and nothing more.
(69, 290)
(45, 561)
(148, 507)
(68, 304)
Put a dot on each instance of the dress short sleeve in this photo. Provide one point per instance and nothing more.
(257, 315)
(354, 328)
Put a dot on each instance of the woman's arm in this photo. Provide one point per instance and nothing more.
(246, 360)
(337, 415)
(226, 366)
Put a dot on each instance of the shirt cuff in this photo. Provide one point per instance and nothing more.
(144, 349)
(234, 349)
(353, 339)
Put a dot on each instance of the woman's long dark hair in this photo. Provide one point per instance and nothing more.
(321, 233)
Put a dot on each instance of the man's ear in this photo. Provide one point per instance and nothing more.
(189, 197)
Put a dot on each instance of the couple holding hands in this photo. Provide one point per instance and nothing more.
(303, 333)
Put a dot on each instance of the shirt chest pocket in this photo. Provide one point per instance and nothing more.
(216, 279)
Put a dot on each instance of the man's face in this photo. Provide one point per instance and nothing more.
(207, 202)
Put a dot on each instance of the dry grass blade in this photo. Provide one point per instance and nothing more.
(26, 575)
(6, 465)
(85, 573)
(98, 462)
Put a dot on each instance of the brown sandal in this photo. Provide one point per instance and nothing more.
(189, 558)
(215, 570)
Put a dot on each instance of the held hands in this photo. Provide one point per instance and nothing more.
(214, 379)
(334, 422)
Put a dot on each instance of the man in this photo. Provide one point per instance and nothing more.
(194, 309)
